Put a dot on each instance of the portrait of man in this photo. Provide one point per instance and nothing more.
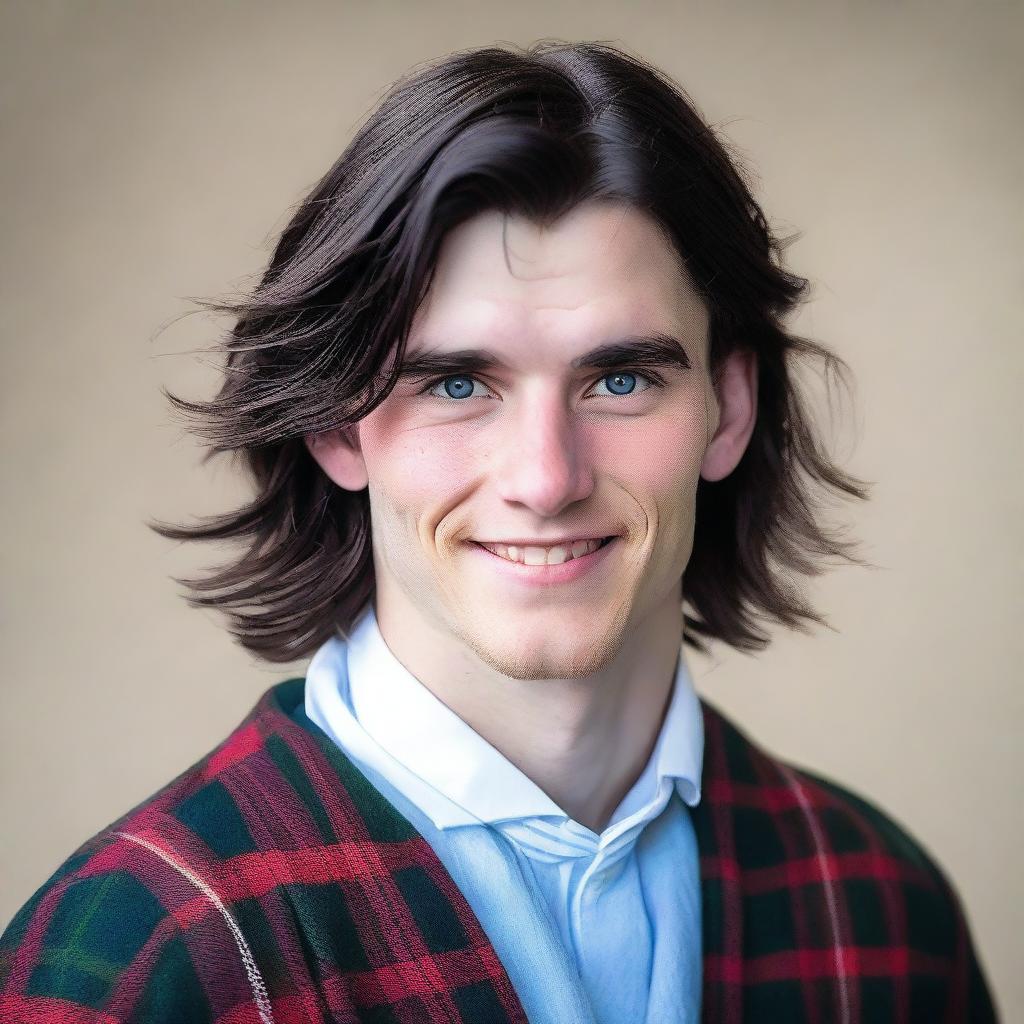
(516, 396)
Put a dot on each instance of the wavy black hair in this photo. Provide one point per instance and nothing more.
(531, 131)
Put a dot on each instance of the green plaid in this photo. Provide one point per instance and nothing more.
(272, 882)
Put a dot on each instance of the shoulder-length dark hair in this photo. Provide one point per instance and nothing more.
(531, 131)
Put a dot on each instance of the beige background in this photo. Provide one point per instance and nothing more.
(151, 152)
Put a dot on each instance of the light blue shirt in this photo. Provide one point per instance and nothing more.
(590, 929)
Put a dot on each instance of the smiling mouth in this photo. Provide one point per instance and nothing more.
(554, 554)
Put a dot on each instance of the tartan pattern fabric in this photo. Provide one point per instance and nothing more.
(270, 882)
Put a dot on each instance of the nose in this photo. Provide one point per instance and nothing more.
(546, 465)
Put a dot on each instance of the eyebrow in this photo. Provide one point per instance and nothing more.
(636, 350)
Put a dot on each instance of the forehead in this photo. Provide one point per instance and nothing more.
(602, 269)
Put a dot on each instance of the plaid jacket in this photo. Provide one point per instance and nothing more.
(272, 882)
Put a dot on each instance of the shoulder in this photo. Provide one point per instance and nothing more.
(129, 922)
(98, 932)
(884, 875)
(811, 812)
(97, 935)
(840, 870)
(867, 844)
(853, 822)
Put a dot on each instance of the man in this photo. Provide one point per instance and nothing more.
(513, 390)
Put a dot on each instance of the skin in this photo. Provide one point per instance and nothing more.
(570, 681)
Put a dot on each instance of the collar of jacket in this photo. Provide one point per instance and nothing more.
(367, 842)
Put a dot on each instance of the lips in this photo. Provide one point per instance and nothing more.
(540, 572)
(549, 542)
(550, 554)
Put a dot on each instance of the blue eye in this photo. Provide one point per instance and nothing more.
(627, 381)
(458, 386)
(462, 388)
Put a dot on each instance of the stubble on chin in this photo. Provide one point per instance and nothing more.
(548, 650)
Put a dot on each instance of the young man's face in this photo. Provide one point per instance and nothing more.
(536, 449)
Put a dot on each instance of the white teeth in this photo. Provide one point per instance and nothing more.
(538, 556)
(555, 555)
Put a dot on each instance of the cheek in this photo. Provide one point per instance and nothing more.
(426, 469)
(662, 457)
(412, 472)
(660, 467)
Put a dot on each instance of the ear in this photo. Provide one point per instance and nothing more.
(735, 397)
(339, 455)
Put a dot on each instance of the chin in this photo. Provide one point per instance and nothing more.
(558, 657)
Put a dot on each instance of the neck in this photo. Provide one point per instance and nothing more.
(583, 741)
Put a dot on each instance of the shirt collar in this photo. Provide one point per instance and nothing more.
(363, 680)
